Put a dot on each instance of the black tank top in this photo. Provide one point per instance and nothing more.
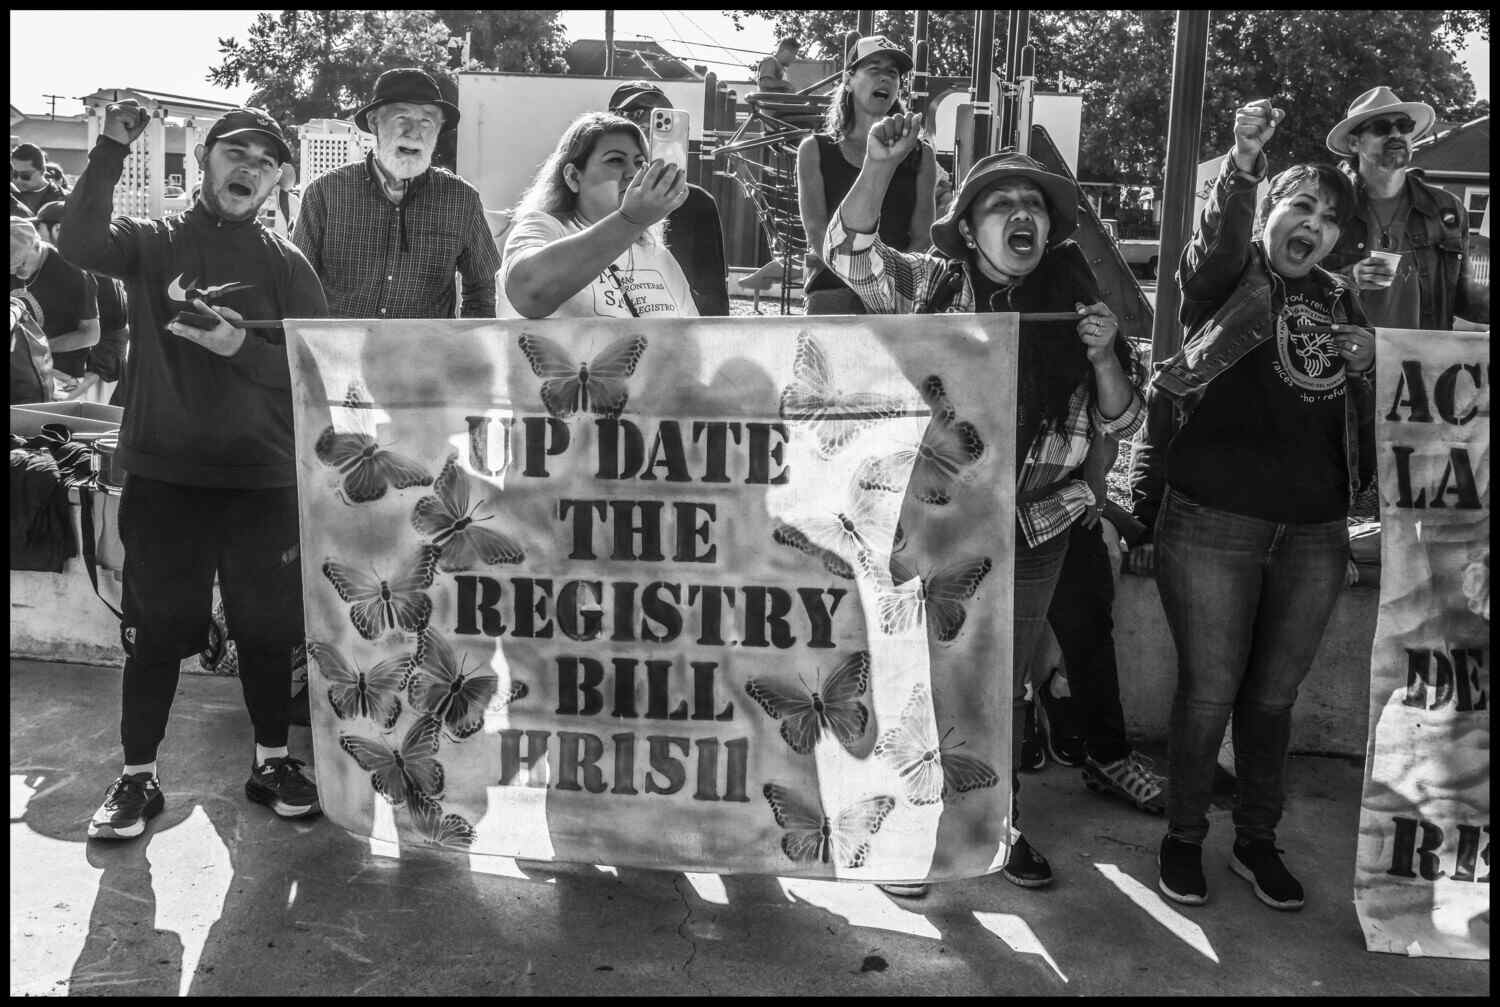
(895, 210)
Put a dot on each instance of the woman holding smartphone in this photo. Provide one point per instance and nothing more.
(828, 163)
(586, 241)
(1260, 431)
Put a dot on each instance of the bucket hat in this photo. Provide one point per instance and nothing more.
(240, 121)
(872, 45)
(1374, 102)
(1060, 193)
(407, 83)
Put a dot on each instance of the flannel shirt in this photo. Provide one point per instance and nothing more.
(380, 260)
(1049, 497)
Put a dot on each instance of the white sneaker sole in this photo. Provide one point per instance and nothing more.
(98, 830)
(1249, 875)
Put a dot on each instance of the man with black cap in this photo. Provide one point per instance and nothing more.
(207, 444)
(1407, 247)
(386, 234)
(694, 234)
(1003, 246)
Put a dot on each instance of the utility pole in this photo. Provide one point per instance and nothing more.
(984, 70)
(1184, 130)
(866, 22)
(52, 112)
(609, 43)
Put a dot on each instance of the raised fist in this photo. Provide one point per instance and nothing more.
(125, 120)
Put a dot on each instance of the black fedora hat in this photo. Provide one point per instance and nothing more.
(1061, 196)
(407, 83)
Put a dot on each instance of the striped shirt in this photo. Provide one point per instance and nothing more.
(380, 260)
(1050, 493)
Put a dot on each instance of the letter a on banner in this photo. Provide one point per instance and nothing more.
(1422, 869)
(715, 595)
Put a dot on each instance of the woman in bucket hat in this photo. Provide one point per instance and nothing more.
(829, 161)
(1002, 246)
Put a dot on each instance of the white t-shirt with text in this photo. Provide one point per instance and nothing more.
(645, 273)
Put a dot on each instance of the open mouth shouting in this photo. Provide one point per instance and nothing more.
(1022, 239)
(240, 189)
(881, 94)
(408, 150)
(1299, 249)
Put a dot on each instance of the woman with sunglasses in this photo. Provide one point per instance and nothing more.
(1406, 247)
(1259, 435)
(586, 241)
(829, 162)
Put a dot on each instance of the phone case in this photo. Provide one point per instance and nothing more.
(669, 136)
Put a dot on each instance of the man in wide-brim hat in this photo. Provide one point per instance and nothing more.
(386, 234)
(1407, 246)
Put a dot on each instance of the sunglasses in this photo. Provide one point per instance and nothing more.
(1383, 127)
(22, 176)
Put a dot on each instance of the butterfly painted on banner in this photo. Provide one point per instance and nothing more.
(945, 456)
(354, 693)
(367, 469)
(454, 525)
(569, 387)
(930, 770)
(811, 837)
(400, 773)
(835, 709)
(864, 522)
(377, 604)
(785, 534)
(906, 601)
(439, 684)
(836, 417)
(441, 829)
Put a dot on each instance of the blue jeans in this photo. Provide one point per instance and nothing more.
(1247, 602)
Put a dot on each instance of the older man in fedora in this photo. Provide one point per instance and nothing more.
(386, 234)
(1407, 247)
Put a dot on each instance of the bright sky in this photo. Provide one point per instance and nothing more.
(172, 50)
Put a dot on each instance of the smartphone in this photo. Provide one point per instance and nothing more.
(669, 136)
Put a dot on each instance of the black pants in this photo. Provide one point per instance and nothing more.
(1082, 618)
(176, 538)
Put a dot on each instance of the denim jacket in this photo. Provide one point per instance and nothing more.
(1227, 305)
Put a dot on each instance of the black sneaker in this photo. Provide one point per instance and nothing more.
(128, 802)
(1033, 742)
(1060, 727)
(1258, 861)
(1181, 866)
(1026, 867)
(280, 784)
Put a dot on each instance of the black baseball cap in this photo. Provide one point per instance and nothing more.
(240, 121)
(633, 93)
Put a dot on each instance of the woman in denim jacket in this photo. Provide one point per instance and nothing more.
(1259, 432)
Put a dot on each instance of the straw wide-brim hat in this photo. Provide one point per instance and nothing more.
(1376, 102)
(1060, 193)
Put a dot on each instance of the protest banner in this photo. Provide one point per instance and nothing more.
(1422, 868)
(726, 595)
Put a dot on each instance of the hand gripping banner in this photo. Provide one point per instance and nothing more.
(717, 595)
(1422, 868)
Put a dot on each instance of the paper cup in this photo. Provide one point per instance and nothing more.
(1392, 259)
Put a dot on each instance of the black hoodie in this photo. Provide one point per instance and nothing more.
(193, 417)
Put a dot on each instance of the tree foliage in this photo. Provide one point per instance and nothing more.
(1311, 62)
(324, 63)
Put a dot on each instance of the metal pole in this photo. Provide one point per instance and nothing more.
(866, 23)
(1184, 129)
(1025, 89)
(609, 43)
(1005, 105)
(919, 63)
(984, 68)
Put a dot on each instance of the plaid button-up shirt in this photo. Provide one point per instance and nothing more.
(380, 260)
(892, 282)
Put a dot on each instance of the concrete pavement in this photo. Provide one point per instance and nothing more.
(220, 897)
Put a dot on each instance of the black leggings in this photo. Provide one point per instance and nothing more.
(176, 538)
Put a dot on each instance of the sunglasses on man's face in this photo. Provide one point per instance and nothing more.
(1383, 127)
(22, 176)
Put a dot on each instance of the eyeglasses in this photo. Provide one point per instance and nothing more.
(1383, 127)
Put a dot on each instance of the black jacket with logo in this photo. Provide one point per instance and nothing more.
(193, 417)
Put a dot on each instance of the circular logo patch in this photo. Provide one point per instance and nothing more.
(1308, 348)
